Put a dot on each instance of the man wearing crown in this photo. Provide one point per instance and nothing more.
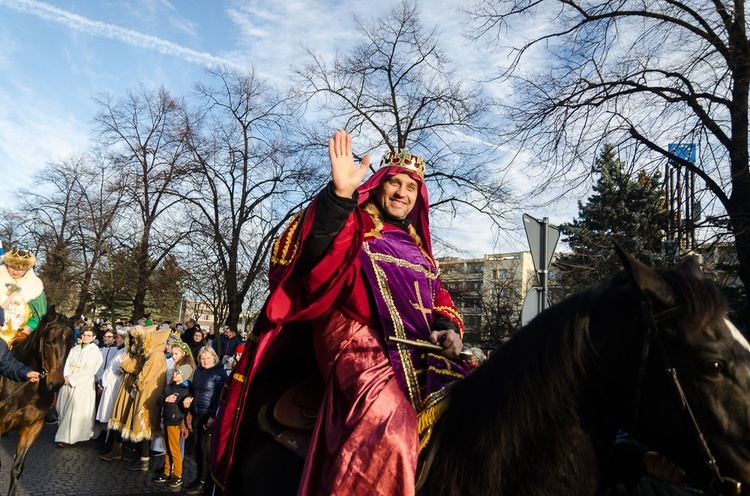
(352, 271)
(22, 295)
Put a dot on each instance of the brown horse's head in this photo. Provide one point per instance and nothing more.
(49, 346)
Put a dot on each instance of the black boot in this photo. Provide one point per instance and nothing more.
(107, 447)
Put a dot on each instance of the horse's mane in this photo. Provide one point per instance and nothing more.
(29, 347)
(24, 350)
(543, 361)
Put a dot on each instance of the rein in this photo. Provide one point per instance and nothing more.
(43, 373)
(723, 484)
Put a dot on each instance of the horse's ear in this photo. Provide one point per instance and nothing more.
(645, 279)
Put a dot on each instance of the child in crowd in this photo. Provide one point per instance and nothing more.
(173, 413)
(230, 362)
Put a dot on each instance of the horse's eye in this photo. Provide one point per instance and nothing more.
(713, 368)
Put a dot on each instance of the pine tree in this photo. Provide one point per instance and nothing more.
(631, 212)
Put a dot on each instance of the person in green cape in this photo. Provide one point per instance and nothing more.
(22, 295)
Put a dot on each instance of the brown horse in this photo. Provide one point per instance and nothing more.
(24, 404)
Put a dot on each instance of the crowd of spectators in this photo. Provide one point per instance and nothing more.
(145, 390)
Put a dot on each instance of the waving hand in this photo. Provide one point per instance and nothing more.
(347, 175)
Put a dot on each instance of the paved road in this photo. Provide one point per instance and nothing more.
(78, 470)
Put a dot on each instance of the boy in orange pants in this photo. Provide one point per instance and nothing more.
(172, 414)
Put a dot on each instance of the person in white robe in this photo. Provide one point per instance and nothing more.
(76, 401)
(111, 348)
(109, 382)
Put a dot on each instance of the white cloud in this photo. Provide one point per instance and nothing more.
(134, 38)
(273, 35)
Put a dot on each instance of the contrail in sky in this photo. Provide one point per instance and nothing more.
(95, 28)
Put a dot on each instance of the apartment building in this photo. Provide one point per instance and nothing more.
(489, 291)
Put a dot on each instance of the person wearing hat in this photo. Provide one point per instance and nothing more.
(173, 413)
(9, 366)
(22, 295)
(238, 351)
(349, 273)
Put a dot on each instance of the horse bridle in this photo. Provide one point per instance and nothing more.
(43, 373)
(718, 482)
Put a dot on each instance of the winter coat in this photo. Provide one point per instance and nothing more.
(206, 388)
(173, 413)
(10, 367)
(228, 345)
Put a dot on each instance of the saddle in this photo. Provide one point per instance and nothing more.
(17, 339)
(290, 419)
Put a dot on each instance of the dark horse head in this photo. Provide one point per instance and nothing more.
(693, 399)
(46, 349)
(541, 415)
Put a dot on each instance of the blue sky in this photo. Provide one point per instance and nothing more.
(55, 57)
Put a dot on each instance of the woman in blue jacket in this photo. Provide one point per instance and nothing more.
(208, 381)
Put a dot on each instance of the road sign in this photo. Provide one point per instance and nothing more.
(686, 151)
(532, 305)
(542, 241)
(542, 238)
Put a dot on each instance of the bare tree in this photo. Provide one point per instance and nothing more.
(396, 88)
(246, 181)
(145, 140)
(97, 208)
(72, 209)
(502, 299)
(15, 230)
(205, 282)
(165, 293)
(637, 74)
(50, 207)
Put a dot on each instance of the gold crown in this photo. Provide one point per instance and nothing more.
(19, 259)
(403, 158)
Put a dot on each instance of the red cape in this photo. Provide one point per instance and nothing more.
(290, 301)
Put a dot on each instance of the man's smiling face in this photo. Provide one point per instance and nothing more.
(397, 196)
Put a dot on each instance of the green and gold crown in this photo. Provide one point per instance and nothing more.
(403, 158)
